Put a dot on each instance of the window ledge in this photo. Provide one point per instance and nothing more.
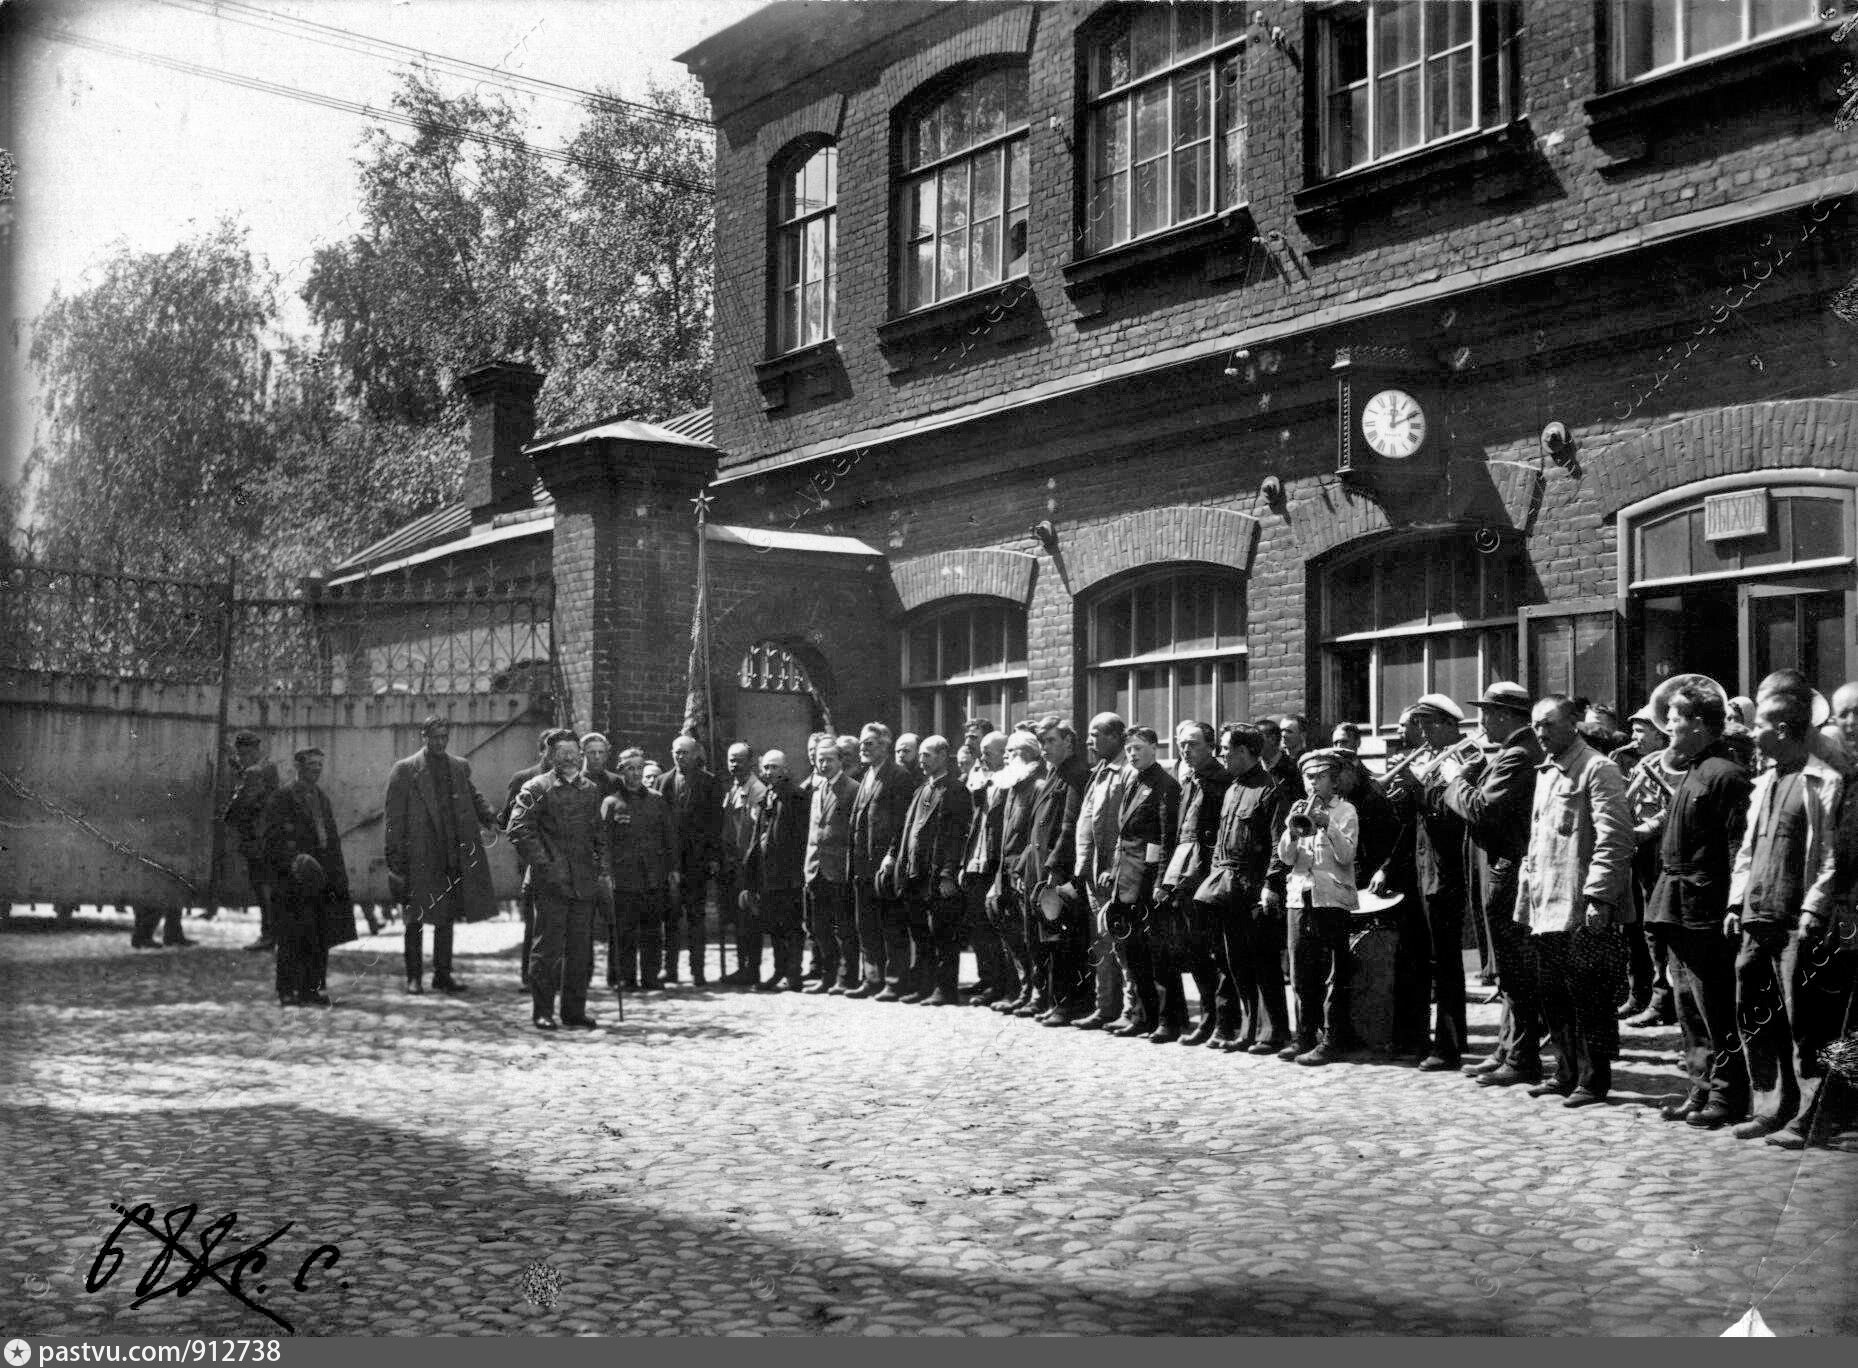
(988, 305)
(1321, 207)
(1651, 105)
(1228, 228)
(807, 369)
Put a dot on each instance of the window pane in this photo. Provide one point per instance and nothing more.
(922, 658)
(1193, 29)
(1111, 693)
(1396, 112)
(1192, 191)
(953, 209)
(1112, 630)
(922, 274)
(1192, 106)
(790, 319)
(1016, 242)
(990, 645)
(922, 207)
(1149, 40)
(1448, 95)
(919, 712)
(1819, 528)
(1231, 128)
(1710, 24)
(1396, 33)
(1016, 186)
(1346, 682)
(1504, 584)
(952, 270)
(1454, 591)
(1196, 695)
(1595, 674)
(1151, 122)
(1402, 570)
(829, 156)
(1767, 15)
(815, 250)
(788, 263)
(1196, 610)
(1499, 654)
(1149, 708)
(1664, 549)
(987, 184)
(926, 138)
(1448, 24)
(955, 627)
(1148, 207)
(1350, 598)
(812, 311)
(985, 247)
(1112, 65)
(1154, 627)
(1550, 656)
(1402, 677)
(1455, 671)
(1016, 639)
(1235, 704)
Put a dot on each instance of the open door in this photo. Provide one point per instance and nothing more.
(1805, 625)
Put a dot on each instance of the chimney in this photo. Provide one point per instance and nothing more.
(502, 396)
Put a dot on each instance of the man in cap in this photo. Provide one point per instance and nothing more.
(696, 800)
(928, 853)
(526, 901)
(255, 779)
(1246, 893)
(1574, 897)
(1147, 830)
(1697, 836)
(1097, 818)
(303, 846)
(1495, 802)
(1653, 771)
(436, 867)
(1320, 886)
(1187, 944)
(556, 828)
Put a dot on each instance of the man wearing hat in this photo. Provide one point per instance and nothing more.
(303, 847)
(435, 856)
(556, 828)
(526, 902)
(1494, 803)
(1652, 775)
(255, 782)
(1188, 943)
(928, 850)
(1573, 895)
(1317, 847)
(1438, 866)
(1147, 828)
(1246, 893)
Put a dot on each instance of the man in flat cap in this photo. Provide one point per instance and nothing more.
(303, 847)
(556, 828)
(435, 852)
(1317, 847)
(526, 901)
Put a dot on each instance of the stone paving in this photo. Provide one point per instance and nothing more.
(738, 1163)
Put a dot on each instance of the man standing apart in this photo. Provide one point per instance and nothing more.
(255, 780)
(556, 828)
(828, 870)
(1781, 902)
(435, 856)
(1495, 803)
(929, 849)
(696, 799)
(302, 845)
(1097, 818)
(877, 816)
(641, 837)
(1317, 848)
(775, 873)
(1572, 895)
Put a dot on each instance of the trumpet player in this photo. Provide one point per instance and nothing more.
(1653, 770)
(1318, 849)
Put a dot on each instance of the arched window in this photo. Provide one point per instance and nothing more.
(961, 205)
(961, 661)
(806, 248)
(1167, 118)
(1169, 647)
(1429, 615)
(777, 704)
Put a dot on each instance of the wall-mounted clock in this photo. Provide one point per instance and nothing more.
(1394, 424)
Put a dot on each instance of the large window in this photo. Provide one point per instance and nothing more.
(1397, 75)
(1167, 119)
(1650, 36)
(967, 660)
(961, 209)
(1418, 617)
(1802, 527)
(806, 248)
(1170, 648)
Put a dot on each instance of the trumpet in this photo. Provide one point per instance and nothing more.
(1447, 765)
(1299, 823)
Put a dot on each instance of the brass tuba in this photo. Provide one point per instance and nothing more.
(1660, 703)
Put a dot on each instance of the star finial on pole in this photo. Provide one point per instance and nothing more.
(702, 504)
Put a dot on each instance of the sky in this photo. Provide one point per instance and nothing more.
(111, 149)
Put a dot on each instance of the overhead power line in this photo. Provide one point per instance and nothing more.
(336, 102)
(347, 39)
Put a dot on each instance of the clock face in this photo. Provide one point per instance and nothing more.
(1394, 424)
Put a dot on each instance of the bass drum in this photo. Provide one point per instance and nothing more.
(1371, 987)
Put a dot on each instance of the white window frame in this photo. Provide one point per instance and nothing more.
(1615, 18)
(941, 687)
(938, 174)
(793, 222)
(1104, 226)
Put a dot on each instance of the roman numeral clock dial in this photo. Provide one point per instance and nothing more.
(1394, 424)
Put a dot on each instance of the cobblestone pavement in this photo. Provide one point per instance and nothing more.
(729, 1162)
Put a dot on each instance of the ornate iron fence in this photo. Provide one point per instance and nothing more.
(378, 636)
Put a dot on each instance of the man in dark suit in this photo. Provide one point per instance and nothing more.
(1018, 785)
(1187, 942)
(526, 899)
(556, 828)
(1495, 801)
(877, 816)
(828, 869)
(641, 837)
(1702, 829)
(303, 847)
(255, 781)
(980, 866)
(697, 801)
(1245, 893)
(1060, 950)
(740, 799)
(928, 851)
(1147, 829)
(435, 858)
(775, 873)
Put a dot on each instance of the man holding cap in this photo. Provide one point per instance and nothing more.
(302, 845)
(1494, 803)
(1438, 862)
(1318, 849)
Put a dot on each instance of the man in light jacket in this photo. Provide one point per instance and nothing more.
(1573, 897)
(1781, 905)
(1321, 891)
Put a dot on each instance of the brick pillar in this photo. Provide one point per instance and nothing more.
(625, 565)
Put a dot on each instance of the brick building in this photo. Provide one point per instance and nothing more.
(1208, 360)
(1114, 328)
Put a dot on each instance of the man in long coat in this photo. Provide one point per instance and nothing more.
(435, 852)
(303, 847)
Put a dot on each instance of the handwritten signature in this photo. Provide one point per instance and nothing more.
(194, 1269)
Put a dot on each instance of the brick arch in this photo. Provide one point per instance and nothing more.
(820, 120)
(1006, 34)
(1494, 494)
(1739, 440)
(991, 572)
(1181, 532)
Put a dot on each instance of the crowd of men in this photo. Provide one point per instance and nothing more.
(1703, 874)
